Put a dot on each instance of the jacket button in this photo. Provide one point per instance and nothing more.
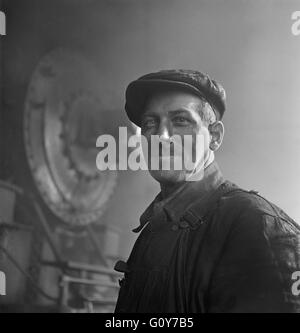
(174, 227)
(183, 224)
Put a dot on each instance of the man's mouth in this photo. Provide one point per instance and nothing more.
(167, 153)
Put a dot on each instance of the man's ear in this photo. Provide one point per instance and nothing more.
(216, 131)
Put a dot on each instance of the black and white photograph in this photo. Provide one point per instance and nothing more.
(150, 159)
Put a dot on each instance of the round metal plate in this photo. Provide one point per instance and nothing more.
(63, 118)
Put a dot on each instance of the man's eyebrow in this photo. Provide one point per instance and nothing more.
(171, 112)
(179, 111)
(152, 114)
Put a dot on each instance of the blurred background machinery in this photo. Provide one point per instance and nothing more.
(70, 257)
(55, 250)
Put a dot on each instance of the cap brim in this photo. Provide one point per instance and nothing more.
(138, 91)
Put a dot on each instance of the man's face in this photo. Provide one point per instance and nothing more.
(175, 113)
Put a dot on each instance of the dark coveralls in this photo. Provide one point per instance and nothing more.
(211, 247)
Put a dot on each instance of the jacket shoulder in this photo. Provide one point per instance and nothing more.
(250, 205)
(240, 199)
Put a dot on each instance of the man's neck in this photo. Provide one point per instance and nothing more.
(169, 188)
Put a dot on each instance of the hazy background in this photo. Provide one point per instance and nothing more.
(246, 45)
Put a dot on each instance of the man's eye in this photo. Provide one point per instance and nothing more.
(180, 120)
(147, 123)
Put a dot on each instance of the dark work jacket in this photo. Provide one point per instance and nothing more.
(211, 247)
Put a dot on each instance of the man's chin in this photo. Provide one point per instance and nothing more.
(168, 176)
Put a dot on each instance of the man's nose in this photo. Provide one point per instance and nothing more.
(164, 130)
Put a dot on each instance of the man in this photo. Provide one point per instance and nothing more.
(205, 245)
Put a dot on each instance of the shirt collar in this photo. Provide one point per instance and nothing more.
(172, 207)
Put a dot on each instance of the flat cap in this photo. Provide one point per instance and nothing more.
(194, 81)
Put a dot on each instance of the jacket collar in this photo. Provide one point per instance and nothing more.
(172, 208)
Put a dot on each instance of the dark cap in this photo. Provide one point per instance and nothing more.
(194, 81)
